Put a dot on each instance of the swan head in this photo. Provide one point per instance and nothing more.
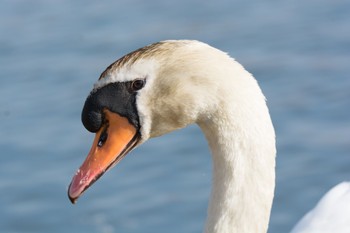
(147, 93)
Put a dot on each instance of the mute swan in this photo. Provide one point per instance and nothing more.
(167, 86)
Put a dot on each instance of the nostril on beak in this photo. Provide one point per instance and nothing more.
(103, 138)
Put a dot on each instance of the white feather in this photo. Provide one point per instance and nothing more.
(331, 214)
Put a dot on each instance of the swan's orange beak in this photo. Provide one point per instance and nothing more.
(112, 142)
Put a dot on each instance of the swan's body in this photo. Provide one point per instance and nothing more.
(169, 85)
(331, 214)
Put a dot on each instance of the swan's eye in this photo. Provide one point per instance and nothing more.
(137, 84)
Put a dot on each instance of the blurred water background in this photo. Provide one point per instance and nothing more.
(51, 53)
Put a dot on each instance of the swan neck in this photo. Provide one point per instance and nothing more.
(243, 174)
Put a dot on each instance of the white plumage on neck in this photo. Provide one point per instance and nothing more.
(242, 141)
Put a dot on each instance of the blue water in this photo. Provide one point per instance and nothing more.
(51, 53)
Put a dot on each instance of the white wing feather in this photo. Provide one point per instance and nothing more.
(331, 214)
